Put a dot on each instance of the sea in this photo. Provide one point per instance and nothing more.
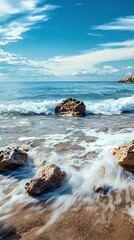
(80, 146)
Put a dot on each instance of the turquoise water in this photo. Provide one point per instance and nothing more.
(42, 97)
(85, 91)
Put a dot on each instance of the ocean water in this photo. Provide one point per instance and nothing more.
(42, 97)
(79, 146)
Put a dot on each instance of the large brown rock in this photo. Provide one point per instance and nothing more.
(71, 107)
(48, 178)
(129, 79)
(12, 157)
(125, 155)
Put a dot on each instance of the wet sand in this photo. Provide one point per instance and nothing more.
(79, 223)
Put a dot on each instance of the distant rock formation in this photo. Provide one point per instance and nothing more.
(125, 155)
(48, 178)
(129, 79)
(12, 157)
(71, 107)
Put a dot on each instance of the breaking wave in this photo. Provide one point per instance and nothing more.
(107, 107)
(29, 108)
(111, 106)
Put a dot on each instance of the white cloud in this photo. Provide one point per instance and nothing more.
(94, 34)
(96, 71)
(12, 33)
(128, 43)
(73, 64)
(8, 57)
(124, 24)
(6, 8)
(86, 63)
(37, 18)
(108, 69)
(28, 14)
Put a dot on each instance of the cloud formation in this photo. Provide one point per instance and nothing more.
(127, 43)
(94, 34)
(27, 14)
(122, 24)
(86, 63)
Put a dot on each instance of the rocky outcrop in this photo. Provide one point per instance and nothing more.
(129, 79)
(71, 107)
(12, 157)
(125, 155)
(48, 178)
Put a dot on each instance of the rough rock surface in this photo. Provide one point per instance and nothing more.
(49, 177)
(125, 155)
(71, 107)
(12, 157)
(129, 79)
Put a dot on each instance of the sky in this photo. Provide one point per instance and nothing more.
(66, 40)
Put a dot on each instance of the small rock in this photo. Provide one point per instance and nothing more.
(102, 129)
(91, 154)
(48, 178)
(104, 189)
(71, 107)
(97, 189)
(125, 155)
(12, 157)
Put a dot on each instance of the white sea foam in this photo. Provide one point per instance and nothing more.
(21, 139)
(77, 187)
(79, 184)
(24, 122)
(46, 107)
(111, 106)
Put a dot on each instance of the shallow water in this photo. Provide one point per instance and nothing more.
(80, 146)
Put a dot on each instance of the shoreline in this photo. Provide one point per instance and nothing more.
(79, 222)
(81, 147)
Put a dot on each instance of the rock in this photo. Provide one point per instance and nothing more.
(125, 155)
(129, 79)
(71, 107)
(102, 129)
(48, 178)
(12, 157)
(98, 188)
(104, 189)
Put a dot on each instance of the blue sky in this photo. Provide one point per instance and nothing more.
(48, 40)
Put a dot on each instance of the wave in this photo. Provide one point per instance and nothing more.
(107, 107)
(30, 108)
(111, 106)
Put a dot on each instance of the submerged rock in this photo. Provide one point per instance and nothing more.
(48, 178)
(104, 189)
(125, 155)
(129, 79)
(71, 107)
(12, 157)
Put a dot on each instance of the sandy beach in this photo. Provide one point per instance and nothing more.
(78, 223)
